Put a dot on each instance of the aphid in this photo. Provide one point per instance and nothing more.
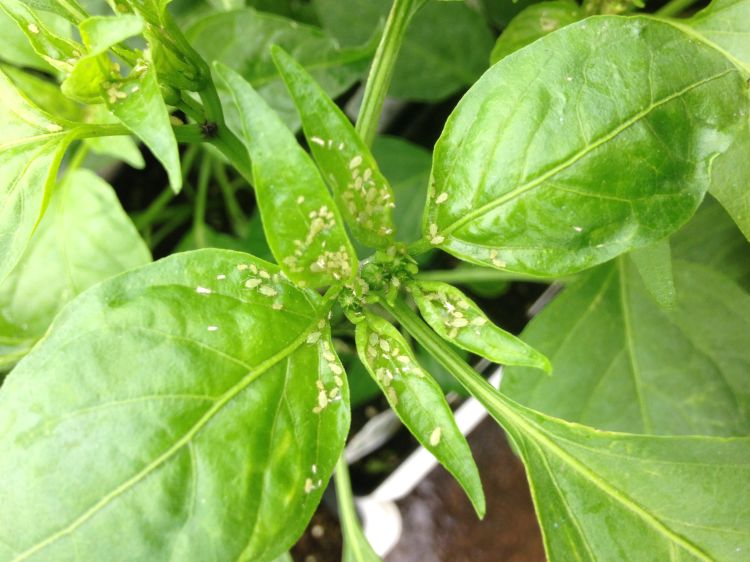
(202, 290)
(435, 436)
(209, 129)
(213, 328)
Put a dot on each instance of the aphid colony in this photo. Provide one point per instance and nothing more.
(381, 350)
(335, 262)
(457, 314)
(365, 202)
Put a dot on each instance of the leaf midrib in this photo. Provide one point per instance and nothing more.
(542, 438)
(517, 191)
(169, 453)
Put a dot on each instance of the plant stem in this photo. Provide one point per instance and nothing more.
(236, 215)
(354, 538)
(420, 247)
(148, 216)
(78, 157)
(180, 216)
(190, 133)
(475, 274)
(199, 216)
(674, 7)
(381, 71)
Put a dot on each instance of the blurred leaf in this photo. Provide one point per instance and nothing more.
(83, 238)
(677, 371)
(245, 37)
(534, 22)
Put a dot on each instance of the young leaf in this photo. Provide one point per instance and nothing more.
(54, 48)
(32, 144)
(302, 224)
(99, 33)
(71, 10)
(460, 321)
(136, 100)
(676, 371)
(83, 238)
(16, 47)
(654, 263)
(534, 22)
(362, 193)
(618, 158)
(122, 147)
(334, 68)
(198, 436)
(418, 400)
(672, 498)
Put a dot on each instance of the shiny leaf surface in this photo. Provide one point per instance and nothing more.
(459, 320)
(726, 23)
(418, 400)
(618, 157)
(302, 224)
(83, 238)
(362, 193)
(200, 435)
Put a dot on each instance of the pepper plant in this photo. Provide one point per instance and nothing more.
(196, 407)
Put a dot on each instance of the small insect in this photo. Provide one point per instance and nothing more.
(209, 129)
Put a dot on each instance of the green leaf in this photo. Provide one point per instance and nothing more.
(99, 33)
(609, 496)
(725, 24)
(431, 64)
(123, 148)
(618, 158)
(83, 238)
(654, 263)
(459, 320)
(677, 371)
(712, 239)
(137, 102)
(199, 435)
(534, 22)
(32, 143)
(302, 224)
(71, 10)
(245, 37)
(45, 93)
(407, 168)
(418, 400)
(730, 177)
(362, 193)
(672, 498)
(16, 48)
(46, 38)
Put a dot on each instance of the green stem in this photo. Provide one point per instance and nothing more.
(78, 157)
(236, 215)
(381, 71)
(231, 147)
(190, 133)
(154, 210)
(475, 274)
(170, 226)
(420, 247)
(354, 538)
(199, 217)
(192, 108)
(674, 8)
